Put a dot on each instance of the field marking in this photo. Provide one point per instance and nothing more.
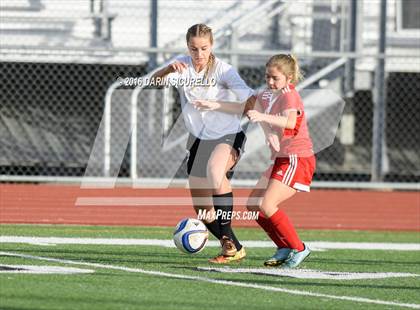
(215, 281)
(311, 274)
(41, 269)
(313, 245)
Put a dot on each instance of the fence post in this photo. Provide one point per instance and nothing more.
(275, 33)
(153, 33)
(352, 24)
(234, 46)
(379, 101)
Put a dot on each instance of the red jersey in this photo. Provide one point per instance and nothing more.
(292, 141)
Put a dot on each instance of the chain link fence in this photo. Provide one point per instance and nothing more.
(64, 112)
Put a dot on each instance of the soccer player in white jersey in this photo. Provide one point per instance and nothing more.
(216, 138)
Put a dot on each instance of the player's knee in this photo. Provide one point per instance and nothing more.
(215, 175)
(253, 208)
(252, 204)
(268, 206)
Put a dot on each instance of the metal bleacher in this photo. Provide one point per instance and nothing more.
(101, 31)
(35, 28)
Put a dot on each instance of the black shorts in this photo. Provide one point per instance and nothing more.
(199, 152)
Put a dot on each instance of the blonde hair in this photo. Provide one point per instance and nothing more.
(202, 30)
(288, 65)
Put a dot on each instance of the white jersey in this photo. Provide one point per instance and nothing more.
(223, 84)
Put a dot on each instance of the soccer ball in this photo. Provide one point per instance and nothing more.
(190, 235)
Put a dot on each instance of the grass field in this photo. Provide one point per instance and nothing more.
(160, 277)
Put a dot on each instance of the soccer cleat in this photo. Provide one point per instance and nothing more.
(228, 247)
(278, 258)
(295, 258)
(221, 259)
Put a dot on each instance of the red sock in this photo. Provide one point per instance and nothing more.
(271, 231)
(284, 228)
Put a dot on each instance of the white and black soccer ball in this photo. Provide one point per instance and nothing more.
(190, 235)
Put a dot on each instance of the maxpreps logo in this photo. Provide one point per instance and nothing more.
(205, 215)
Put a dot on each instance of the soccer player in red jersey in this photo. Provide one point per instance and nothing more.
(280, 112)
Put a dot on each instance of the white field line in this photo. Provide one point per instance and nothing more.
(43, 269)
(313, 245)
(215, 281)
(312, 274)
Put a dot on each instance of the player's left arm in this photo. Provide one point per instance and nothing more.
(230, 107)
(270, 135)
(287, 120)
(285, 115)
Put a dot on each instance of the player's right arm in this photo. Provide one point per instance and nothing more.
(231, 80)
(159, 76)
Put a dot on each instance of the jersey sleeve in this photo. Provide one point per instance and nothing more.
(291, 101)
(236, 84)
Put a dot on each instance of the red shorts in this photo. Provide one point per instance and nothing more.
(293, 171)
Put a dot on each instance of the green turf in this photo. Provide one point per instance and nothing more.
(112, 289)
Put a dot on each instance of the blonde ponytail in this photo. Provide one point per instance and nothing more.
(288, 65)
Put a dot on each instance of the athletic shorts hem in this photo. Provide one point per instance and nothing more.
(295, 172)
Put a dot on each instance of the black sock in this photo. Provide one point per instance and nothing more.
(213, 227)
(223, 205)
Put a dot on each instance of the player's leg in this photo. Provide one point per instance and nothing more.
(201, 193)
(300, 179)
(276, 193)
(222, 159)
(253, 204)
(200, 189)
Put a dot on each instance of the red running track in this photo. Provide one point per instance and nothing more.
(320, 209)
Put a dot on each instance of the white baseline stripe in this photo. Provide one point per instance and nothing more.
(311, 274)
(28, 269)
(210, 280)
(314, 245)
(147, 201)
(101, 182)
(365, 246)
